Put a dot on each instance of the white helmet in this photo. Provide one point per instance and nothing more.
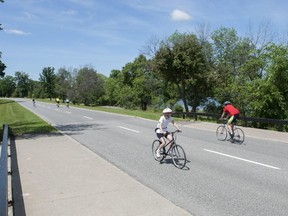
(227, 102)
(167, 110)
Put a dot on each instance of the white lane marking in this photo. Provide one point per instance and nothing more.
(254, 162)
(88, 117)
(25, 194)
(129, 129)
(68, 112)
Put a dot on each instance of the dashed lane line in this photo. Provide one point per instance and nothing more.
(242, 159)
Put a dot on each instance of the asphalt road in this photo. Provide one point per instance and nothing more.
(220, 178)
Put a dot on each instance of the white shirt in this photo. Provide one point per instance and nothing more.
(164, 122)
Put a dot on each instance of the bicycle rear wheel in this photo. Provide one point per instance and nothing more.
(178, 156)
(238, 136)
(155, 146)
(221, 133)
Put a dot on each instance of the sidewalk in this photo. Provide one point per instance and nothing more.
(60, 177)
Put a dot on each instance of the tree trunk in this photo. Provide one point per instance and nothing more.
(183, 96)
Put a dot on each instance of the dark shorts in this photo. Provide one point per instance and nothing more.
(233, 119)
(160, 135)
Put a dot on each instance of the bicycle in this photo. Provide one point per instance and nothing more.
(222, 132)
(177, 153)
(34, 103)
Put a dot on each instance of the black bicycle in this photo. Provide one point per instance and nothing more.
(175, 151)
(222, 133)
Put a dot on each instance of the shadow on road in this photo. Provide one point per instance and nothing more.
(72, 129)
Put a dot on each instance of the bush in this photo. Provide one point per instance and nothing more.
(178, 108)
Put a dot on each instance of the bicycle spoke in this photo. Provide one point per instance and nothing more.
(178, 156)
(221, 133)
(238, 136)
(155, 146)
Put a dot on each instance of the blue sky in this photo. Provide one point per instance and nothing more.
(107, 34)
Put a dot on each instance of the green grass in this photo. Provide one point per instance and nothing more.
(21, 121)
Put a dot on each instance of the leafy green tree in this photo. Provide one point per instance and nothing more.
(100, 89)
(181, 61)
(22, 82)
(112, 88)
(36, 90)
(89, 86)
(270, 99)
(277, 71)
(267, 101)
(64, 83)
(2, 67)
(48, 81)
(133, 86)
(7, 86)
(236, 65)
(224, 43)
(140, 82)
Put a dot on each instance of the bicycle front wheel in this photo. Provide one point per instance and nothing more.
(221, 133)
(178, 156)
(155, 146)
(238, 136)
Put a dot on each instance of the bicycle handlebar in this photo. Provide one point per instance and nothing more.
(176, 131)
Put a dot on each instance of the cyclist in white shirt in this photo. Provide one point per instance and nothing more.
(161, 129)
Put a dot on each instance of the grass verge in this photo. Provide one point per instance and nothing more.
(20, 120)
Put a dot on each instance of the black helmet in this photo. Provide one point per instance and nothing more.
(227, 102)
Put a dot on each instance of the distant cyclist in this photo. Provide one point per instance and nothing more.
(233, 115)
(161, 129)
(67, 102)
(57, 102)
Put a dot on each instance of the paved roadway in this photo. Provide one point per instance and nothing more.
(221, 178)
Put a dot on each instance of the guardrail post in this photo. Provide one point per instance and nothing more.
(4, 173)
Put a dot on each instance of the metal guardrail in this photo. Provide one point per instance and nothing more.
(4, 202)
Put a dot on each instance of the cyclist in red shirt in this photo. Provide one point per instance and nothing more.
(233, 115)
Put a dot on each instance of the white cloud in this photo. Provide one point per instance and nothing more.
(17, 32)
(178, 15)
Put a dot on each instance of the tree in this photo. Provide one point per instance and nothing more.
(64, 83)
(277, 72)
(133, 86)
(7, 86)
(137, 80)
(235, 67)
(181, 61)
(2, 65)
(48, 81)
(22, 84)
(35, 90)
(89, 87)
(269, 99)
(112, 88)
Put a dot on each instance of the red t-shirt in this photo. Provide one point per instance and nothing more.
(231, 110)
